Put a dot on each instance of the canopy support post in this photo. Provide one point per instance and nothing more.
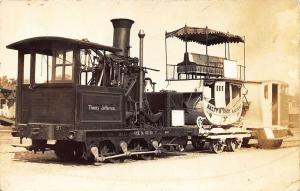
(166, 53)
(225, 51)
(206, 39)
(244, 58)
(228, 51)
(185, 55)
(186, 52)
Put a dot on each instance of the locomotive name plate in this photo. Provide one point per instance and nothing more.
(101, 107)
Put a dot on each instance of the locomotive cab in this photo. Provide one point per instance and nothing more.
(57, 93)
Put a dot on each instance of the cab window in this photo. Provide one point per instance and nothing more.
(52, 67)
(43, 68)
(26, 70)
(62, 66)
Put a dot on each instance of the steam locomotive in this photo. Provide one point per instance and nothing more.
(91, 100)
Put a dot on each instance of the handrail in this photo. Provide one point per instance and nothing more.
(195, 71)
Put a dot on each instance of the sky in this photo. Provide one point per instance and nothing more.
(271, 29)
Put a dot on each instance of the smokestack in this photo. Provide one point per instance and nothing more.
(122, 35)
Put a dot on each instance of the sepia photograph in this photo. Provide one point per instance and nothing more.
(150, 95)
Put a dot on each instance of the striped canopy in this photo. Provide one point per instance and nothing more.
(204, 36)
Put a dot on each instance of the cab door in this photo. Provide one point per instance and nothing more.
(266, 105)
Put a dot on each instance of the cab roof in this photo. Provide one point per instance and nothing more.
(45, 44)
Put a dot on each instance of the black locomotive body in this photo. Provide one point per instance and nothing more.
(91, 100)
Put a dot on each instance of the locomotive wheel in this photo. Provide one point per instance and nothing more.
(142, 146)
(182, 145)
(66, 151)
(170, 148)
(108, 149)
(79, 150)
(198, 145)
(233, 144)
(64, 155)
(245, 142)
(216, 146)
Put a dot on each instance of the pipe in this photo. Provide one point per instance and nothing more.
(122, 35)
(141, 36)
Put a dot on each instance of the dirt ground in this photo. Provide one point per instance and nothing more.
(248, 169)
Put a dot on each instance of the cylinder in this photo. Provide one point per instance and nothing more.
(122, 35)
